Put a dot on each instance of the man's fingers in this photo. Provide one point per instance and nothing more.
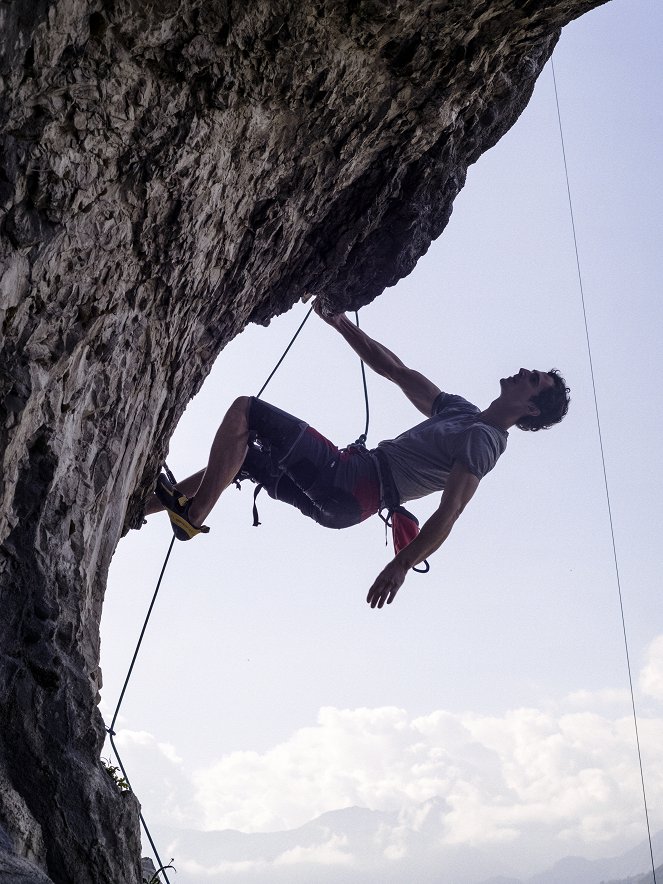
(329, 317)
(373, 597)
(319, 309)
(383, 590)
(386, 585)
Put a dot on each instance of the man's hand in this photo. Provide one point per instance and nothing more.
(388, 582)
(333, 319)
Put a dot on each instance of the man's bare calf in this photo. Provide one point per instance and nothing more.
(225, 461)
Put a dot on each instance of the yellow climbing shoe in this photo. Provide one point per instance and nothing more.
(177, 506)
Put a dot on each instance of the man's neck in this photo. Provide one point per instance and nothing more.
(497, 415)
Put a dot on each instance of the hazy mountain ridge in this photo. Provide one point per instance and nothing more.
(354, 845)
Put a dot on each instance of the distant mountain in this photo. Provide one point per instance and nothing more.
(628, 868)
(647, 878)
(359, 846)
(349, 846)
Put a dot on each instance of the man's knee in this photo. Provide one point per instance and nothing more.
(240, 408)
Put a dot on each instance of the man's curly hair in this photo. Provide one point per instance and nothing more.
(552, 403)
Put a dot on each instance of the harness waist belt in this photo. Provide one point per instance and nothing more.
(390, 496)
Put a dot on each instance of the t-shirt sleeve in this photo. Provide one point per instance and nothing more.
(440, 403)
(476, 449)
(447, 401)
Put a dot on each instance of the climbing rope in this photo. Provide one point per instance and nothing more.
(111, 729)
(285, 352)
(362, 439)
(605, 472)
(162, 868)
(171, 478)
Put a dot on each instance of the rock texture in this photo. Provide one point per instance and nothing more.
(170, 172)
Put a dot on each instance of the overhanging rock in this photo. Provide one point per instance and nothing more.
(169, 173)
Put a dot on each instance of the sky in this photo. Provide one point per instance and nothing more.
(492, 697)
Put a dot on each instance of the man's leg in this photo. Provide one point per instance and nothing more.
(299, 466)
(225, 460)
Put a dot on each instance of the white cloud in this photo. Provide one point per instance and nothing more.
(332, 852)
(200, 870)
(144, 738)
(564, 777)
(491, 777)
(651, 677)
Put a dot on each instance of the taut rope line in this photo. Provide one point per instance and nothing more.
(111, 731)
(285, 353)
(605, 474)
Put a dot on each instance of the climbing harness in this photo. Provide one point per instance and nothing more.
(605, 473)
(404, 525)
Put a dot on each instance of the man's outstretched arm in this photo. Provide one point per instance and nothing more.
(461, 485)
(421, 392)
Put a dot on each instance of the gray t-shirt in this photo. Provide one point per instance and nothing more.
(421, 458)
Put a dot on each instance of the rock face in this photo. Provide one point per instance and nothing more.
(170, 172)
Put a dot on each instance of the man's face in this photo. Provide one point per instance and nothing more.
(520, 388)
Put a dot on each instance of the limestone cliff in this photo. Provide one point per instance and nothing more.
(170, 172)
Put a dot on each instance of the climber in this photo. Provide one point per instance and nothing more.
(450, 451)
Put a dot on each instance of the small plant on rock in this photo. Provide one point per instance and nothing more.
(116, 775)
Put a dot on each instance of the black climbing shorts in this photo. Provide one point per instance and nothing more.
(296, 464)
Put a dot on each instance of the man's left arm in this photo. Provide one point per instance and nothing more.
(459, 490)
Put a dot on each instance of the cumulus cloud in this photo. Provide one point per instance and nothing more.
(490, 777)
(366, 757)
(332, 852)
(563, 776)
(651, 677)
(144, 738)
(199, 870)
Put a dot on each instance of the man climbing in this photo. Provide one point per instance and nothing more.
(451, 451)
